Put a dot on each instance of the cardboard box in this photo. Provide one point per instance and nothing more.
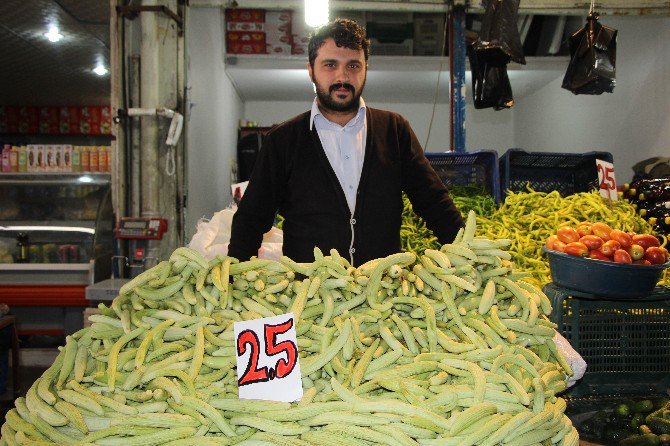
(105, 120)
(278, 22)
(428, 34)
(241, 42)
(299, 49)
(389, 27)
(63, 121)
(75, 119)
(245, 15)
(28, 120)
(279, 49)
(382, 48)
(49, 120)
(89, 123)
(245, 26)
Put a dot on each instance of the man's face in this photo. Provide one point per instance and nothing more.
(339, 77)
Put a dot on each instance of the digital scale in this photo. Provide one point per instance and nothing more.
(141, 228)
(138, 231)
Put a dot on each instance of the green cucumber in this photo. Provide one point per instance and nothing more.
(641, 440)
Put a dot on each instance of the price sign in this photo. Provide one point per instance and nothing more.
(267, 359)
(606, 180)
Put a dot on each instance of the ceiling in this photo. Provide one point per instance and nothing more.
(38, 72)
(390, 79)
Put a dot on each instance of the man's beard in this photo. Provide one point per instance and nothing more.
(327, 102)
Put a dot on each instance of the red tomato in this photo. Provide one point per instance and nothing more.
(567, 234)
(559, 246)
(609, 247)
(584, 228)
(636, 252)
(596, 254)
(655, 255)
(601, 230)
(641, 262)
(665, 251)
(623, 238)
(550, 241)
(592, 241)
(646, 240)
(576, 249)
(621, 256)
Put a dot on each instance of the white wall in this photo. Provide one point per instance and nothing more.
(485, 129)
(633, 122)
(214, 109)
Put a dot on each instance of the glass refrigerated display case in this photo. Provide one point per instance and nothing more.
(56, 238)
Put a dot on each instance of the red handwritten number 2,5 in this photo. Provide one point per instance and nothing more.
(608, 181)
(253, 374)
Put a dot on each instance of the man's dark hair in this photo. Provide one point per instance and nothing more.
(346, 33)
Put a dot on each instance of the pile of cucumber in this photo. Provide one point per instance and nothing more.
(632, 422)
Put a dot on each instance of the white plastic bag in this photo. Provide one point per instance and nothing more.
(212, 237)
(574, 359)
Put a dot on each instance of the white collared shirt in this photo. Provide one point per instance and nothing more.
(344, 147)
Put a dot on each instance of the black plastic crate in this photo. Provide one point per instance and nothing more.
(477, 168)
(625, 343)
(567, 173)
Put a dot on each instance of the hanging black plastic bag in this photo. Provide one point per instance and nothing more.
(490, 84)
(499, 40)
(592, 59)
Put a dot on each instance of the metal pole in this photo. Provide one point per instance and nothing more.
(457, 57)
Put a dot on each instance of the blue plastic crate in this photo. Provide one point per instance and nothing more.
(477, 168)
(567, 173)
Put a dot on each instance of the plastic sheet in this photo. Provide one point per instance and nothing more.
(499, 40)
(498, 43)
(490, 84)
(592, 68)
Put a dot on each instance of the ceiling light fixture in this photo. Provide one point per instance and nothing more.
(53, 35)
(316, 12)
(100, 70)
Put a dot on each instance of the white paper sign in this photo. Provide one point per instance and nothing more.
(238, 189)
(606, 180)
(268, 367)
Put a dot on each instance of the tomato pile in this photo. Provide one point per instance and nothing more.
(599, 241)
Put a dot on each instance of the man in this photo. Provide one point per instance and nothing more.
(336, 173)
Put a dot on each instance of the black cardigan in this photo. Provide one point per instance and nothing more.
(293, 176)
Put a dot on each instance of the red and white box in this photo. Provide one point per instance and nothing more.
(278, 32)
(245, 15)
(105, 120)
(49, 120)
(242, 42)
(75, 119)
(28, 120)
(89, 123)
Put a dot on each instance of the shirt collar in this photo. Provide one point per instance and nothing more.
(316, 112)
